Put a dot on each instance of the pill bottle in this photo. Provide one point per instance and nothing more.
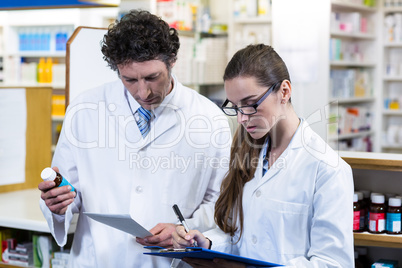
(49, 174)
(356, 213)
(377, 214)
(363, 210)
(394, 216)
(365, 207)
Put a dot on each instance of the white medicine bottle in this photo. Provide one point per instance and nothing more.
(48, 174)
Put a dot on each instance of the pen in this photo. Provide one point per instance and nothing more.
(181, 219)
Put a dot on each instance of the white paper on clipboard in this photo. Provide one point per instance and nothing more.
(123, 222)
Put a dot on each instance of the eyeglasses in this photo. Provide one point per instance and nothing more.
(247, 109)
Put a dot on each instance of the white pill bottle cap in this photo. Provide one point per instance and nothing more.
(48, 174)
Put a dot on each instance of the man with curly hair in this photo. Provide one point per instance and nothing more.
(136, 146)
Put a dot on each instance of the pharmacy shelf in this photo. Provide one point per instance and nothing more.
(352, 64)
(351, 135)
(342, 5)
(373, 161)
(392, 9)
(20, 210)
(362, 36)
(392, 78)
(58, 118)
(392, 112)
(378, 240)
(55, 86)
(352, 100)
(395, 44)
(391, 147)
(38, 54)
(256, 20)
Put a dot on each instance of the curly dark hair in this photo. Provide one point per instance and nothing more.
(140, 36)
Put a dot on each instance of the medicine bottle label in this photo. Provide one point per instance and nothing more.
(394, 222)
(356, 220)
(377, 222)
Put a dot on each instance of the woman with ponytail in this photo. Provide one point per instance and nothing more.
(287, 197)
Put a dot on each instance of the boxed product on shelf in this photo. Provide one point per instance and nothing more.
(58, 105)
(346, 83)
(382, 263)
(354, 119)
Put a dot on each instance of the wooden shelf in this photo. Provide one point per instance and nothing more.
(378, 240)
(373, 161)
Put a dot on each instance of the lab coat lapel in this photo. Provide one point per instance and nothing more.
(127, 125)
(164, 121)
(301, 137)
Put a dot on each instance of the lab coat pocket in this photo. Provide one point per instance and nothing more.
(288, 227)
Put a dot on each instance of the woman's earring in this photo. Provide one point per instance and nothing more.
(283, 101)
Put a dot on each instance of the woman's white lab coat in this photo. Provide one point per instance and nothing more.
(101, 152)
(301, 212)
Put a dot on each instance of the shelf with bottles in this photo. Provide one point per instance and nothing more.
(357, 53)
(38, 70)
(350, 126)
(250, 22)
(354, 5)
(57, 113)
(39, 39)
(392, 131)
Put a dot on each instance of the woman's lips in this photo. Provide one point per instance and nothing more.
(251, 128)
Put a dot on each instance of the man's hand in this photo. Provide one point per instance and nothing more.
(57, 199)
(162, 236)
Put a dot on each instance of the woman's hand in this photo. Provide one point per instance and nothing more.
(182, 239)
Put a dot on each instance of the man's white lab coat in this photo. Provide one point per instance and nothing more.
(301, 212)
(102, 153)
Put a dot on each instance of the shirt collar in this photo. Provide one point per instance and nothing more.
(294, 142)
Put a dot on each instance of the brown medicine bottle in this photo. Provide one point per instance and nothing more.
(377, 214)
(356, 213)
(49, 174)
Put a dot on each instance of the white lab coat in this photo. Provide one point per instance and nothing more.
(102, 153)
(300, 213)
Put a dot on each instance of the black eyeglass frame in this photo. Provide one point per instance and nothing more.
(255, 105)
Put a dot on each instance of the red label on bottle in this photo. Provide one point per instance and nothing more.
(377, 222)
(356, 220)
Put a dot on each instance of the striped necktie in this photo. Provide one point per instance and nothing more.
(144, 121)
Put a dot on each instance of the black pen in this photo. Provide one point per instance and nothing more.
(181, 219)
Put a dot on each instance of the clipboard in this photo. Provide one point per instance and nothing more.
(202, 253)
(123, 222)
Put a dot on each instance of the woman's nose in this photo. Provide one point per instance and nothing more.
(241, 118)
